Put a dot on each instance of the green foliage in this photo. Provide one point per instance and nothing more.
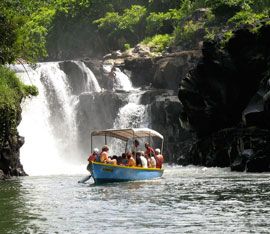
(127, 25)
(12, 90)
(7, 40)
(127, 46)
(158, 42)
(25, 24)
(32, 35)
(246, 17)
(187, 32)
(156, 21)
(127, 21)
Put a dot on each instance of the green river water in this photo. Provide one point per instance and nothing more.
(185, 200)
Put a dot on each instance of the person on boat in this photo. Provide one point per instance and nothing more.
(148, 153)
(159, 158)
(131, 160)
(138, 159)
(104, 156)
(149, 150)
(124, 159)
(135, 147)
(143, 160)
(92, 158)
(152, 162)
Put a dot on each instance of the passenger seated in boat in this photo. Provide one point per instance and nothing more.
(131, 160)
(104, 156)
(124, 159)
(92, 158)
(159, 158)
(143, 160)
(152, 162)
(138, 159)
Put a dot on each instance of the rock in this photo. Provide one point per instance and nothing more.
(219, 89)
(76, 74)
(164, 109)
(162, 71)
(170, 70)
(243, 149)
(2, 175)
(106, 104)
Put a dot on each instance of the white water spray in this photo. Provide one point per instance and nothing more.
(91, 81)
(131, 115)
(49, 123)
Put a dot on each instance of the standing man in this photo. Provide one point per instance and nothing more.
(135, 147)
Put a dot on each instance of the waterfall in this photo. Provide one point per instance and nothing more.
(121, 80)
(131, 115)
(91, 81)
(49, 120)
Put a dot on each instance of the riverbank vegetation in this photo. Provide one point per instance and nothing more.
(68, 29)
(12, 91)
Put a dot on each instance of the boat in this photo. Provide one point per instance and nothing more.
(104, 172)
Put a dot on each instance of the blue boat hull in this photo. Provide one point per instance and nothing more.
(103, 173)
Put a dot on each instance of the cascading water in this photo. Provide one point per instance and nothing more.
(121, 80)
(91, 81)
(49, 120)
(131, 115)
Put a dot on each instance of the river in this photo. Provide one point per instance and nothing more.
(184, 200)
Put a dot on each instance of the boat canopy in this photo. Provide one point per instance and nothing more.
(128, 133)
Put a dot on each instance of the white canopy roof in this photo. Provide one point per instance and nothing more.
(129, 133)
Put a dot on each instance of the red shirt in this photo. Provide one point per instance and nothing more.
(149, 151)
(92, 158)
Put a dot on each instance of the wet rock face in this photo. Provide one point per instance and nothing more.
(164, 111)
(161, 72)
(245, 149)
(225, 102)
(10, 164)
(218, 90)
(105, 105)
(77, 76)
(162, 75)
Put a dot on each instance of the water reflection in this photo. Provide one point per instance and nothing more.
(14, 213)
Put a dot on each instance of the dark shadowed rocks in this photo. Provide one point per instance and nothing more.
(10, 164)
(161, 72)
(229, 89)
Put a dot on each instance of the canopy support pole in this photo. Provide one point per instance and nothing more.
(126, 147)
(161, 150)
(91, 143)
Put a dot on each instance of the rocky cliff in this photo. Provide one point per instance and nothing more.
(158, 78)
(225, 102)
